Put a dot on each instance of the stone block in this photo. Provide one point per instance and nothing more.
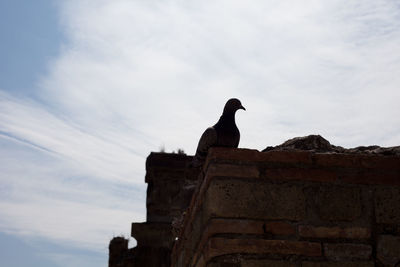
(232, 226)
(266, 263)
(218, 246)
(336, 203)
(347, 251)
(303, 174)
(233, 170)
(356, 161)
(252, 155)
(167, 160)
(388, 250)
(334, 232)
(374, 176)
(152, 234)
(219, 226)
(335, 160)
(338, 264)
(238, 198)
(387, 205)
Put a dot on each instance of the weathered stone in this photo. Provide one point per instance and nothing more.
(266, 263)
(304, 174)
(317, 143)
(221, 246)
(152, 234)
(252, 155)
(224, 226)
(387, 205)
(388, 250)
(218, 226)
(311, 142)
(347, 251)
(377, 177)
(338, 203)
(237, 198)
(334, 232)
(233, 170)
(356, 161)
(338, 264)
(150, 257)
(248, 199)
(118, 249)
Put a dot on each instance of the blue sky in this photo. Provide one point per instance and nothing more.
(30, 37)
(88, 88)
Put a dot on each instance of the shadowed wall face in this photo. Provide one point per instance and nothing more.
(170, 188)
(275, 208)
(288, 208)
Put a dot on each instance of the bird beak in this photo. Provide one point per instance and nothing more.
(241, 107)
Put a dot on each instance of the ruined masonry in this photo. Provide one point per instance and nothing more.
(275, 208)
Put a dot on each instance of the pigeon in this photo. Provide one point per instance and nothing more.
(223, 134)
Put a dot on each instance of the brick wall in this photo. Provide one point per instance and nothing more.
(170, 188)
(287, 208)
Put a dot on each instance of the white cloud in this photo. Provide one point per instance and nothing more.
(134, 75)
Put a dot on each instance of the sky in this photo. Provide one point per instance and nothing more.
(88, 88)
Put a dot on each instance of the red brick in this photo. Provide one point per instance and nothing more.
(380, 162)
(347, 251)
(337, 203)
(338, 264)
(238, 198)
(237, 226)
(334, 232)
(316, 175)
(279, 228)
(357, 161)
(220, 246)
(233, 170)
(336, 160)
(388, 250)
(252, 155)
(217, 226)
(387, 205)
(372, 177)
(266, 263)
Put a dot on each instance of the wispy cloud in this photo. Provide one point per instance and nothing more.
(134, 75)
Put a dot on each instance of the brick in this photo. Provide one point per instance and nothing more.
(338, 264)
(235, 198)
(167, 160)
(365, 176)
(252, 155)
(233, 170)
(387, 205)
(237, 226)
(347, 251)
(336, 160)
(334, 232)
(279, 228)
(388, 249)
(380, 162)
(266, 263)
(219, 226)
(222, 264)
(152, 234)
(221, 246)
(357, 161)
(316, 175)
(335, 203)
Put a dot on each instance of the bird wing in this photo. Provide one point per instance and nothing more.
(207, 140)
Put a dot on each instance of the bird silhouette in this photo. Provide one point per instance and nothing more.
(223, 134)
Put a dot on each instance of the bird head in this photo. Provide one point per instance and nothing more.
(233, 105)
